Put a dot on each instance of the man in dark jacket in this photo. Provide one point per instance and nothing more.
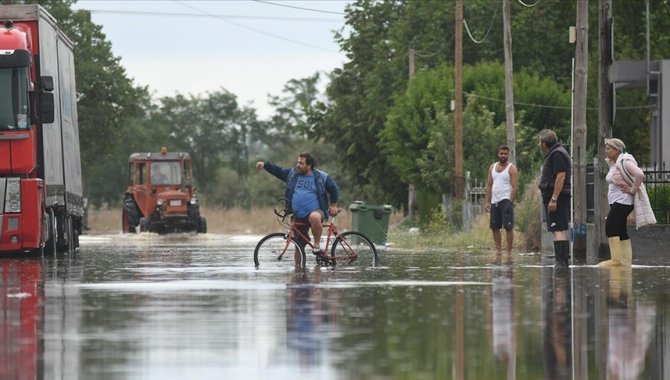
(555, 187)
(312, 194)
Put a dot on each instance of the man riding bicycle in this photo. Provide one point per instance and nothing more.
(308, 191)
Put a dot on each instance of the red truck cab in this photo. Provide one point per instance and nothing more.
(41, 192)
(161, 195)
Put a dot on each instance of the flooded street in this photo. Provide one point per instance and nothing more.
(195, 307)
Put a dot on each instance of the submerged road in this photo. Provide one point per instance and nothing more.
(194, 307)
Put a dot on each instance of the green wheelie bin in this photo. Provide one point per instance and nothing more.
(371, 220)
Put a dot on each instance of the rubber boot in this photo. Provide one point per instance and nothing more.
(615, 253)
(562, 254)
(626, 253)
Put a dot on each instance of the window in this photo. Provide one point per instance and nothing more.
(14, 101)
(140, 173)
(166, 173)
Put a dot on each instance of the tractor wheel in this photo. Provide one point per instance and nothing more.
(202, 225)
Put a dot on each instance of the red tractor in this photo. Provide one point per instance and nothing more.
(161, 196)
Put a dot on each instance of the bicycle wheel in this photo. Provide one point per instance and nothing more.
(352, 248)
(277, 251)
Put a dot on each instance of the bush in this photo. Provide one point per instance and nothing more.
(659, 197)
(528, 215)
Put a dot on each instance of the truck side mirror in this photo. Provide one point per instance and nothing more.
(46, 83)
(46, 99)
(47, 107)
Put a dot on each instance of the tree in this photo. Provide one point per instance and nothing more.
(214, 129)
(418, 136)
(106, 100)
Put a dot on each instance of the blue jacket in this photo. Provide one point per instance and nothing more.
(325, 185)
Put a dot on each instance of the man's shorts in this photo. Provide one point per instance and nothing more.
(559, 220)
(304, 229)
(502, 215)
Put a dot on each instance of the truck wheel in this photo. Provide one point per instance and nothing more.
(202, 225)
(50, 246)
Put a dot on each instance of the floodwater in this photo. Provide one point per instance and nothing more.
(194, 307)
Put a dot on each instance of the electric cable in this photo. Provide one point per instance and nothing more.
(301, 8)
(440, 50)
(467, 29)
(174, 14)
(255, 29)
(529, 6)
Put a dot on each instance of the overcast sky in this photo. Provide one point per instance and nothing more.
(250, 48)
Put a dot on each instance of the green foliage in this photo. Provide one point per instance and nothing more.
(213, 129)
(436, 222)
(418, 137)
(527, 215)
(659, 197)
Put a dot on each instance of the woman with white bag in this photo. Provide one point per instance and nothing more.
(626, 193)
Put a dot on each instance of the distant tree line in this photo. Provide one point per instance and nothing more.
(373, 128)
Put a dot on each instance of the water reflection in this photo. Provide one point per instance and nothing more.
(557, 315)
(20, 318)
(159, 310)
(504, 319)
(310, 317)
(630, 325)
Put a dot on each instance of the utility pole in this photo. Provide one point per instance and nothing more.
(579, 130)
(605, 122)
(509, 82)
(411, 192)
(459, 185)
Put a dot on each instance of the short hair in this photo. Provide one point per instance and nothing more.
(548, 137)
(502, 147)
(309, 160)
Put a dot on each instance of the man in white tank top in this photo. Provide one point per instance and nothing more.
(501, 188)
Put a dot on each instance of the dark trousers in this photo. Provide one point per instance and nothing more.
(616, 221)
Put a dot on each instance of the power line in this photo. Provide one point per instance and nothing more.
(253, 29)
(465, 23)
(550, 106)
(301, 8)
(529, 5)
(175, 14)
(434, 53)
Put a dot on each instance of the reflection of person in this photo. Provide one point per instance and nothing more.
(501, 188)
(624, 178)
(555, 188)
(557, 315)
(157, 175)
(312, 194)
(301, 319)
(630, 327)
(503, 318)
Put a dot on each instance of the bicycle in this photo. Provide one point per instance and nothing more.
(284, 249)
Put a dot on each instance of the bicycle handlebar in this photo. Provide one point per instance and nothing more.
(285, 211)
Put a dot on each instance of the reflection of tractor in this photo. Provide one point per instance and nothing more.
(161, 196)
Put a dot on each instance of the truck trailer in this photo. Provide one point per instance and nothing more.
(41, 192)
